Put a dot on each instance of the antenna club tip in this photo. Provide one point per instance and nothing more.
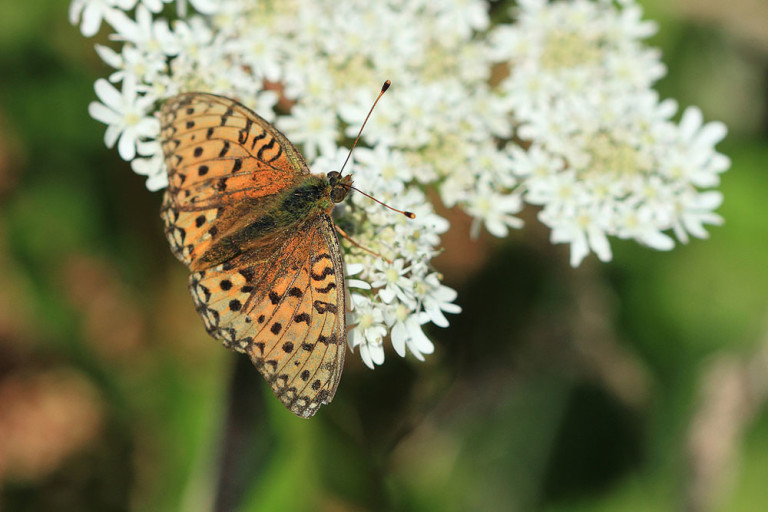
(385, 86)
(410, 215)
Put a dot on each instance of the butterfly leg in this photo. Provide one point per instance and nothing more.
(356, 244)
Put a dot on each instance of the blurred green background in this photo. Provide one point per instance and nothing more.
(639, 385)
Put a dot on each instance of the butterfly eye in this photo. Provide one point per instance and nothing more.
(333, 176)
(338, 194)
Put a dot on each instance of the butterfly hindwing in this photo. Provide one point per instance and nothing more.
(290, 321)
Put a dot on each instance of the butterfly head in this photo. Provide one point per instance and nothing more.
(340, 185)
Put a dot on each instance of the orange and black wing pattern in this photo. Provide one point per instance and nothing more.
(284, 307)
(222, 160)
(279, 298)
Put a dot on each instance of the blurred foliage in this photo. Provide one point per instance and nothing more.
(556, 390)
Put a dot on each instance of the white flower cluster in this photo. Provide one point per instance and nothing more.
(262, 53)
(573, 128)
(603, 157)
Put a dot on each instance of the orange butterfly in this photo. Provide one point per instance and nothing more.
(243, 212)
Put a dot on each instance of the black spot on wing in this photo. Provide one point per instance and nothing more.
(328, 288)
(323, 307)
(248, 274)
(257, 139)
(277, 155)
(327, 271)
(269, 145)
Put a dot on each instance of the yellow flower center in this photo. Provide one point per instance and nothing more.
(564, 50)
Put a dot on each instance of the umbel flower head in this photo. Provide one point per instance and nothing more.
(278, 57)
(603, 156)
(574, 129)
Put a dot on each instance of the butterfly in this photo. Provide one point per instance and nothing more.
(243, 212)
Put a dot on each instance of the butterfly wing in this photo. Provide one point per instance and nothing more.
(223, 160)
(284, 305)
(282, 300)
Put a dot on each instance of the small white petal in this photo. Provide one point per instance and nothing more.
(126, 147)
(357, 283)
(101, 113)
(107, 93)
(399, 337)
(91, 20)
(111, 135)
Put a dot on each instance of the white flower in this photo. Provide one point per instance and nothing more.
(695, 210)
(584, 230)
(697, 161)
(134, 63)
(369, 330)
(261, 52)
(382, 168)
(436, 298)
(126, 115)
(352, 269)
(151, 164)
(193, 38)
(313, 128)
(494, 209)
(392, 281)
(406, 331)
(154, 37)
(91, 13)
(603, 158)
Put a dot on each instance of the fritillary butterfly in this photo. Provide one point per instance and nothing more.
(243, 212)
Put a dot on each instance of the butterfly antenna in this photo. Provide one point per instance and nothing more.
(410, 215)
(383, 90)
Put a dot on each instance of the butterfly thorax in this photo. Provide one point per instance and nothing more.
(265, 223)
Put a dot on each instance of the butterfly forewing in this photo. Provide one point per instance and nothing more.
(279, 298)
(220, 157)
